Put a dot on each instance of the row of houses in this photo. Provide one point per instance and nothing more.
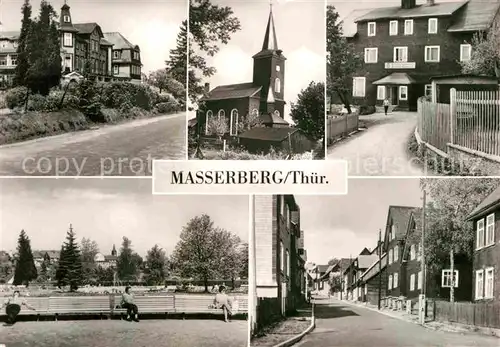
(393, 268)
(105, 56)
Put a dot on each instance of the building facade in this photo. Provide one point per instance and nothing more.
(106, 261)
(403, 47)
(8, 57)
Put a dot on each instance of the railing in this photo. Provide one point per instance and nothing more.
(477, 314)
(339, 126)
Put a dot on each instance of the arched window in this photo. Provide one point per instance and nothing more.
(233, 125)
(221, 114)
(277, 113)
(277, 85)
(209, 115)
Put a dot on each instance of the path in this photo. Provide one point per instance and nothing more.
(112, 150)
(340, 324)
(381, 149)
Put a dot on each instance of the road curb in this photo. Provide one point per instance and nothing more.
(297, 338)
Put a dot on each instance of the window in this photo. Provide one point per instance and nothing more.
(433, 26)
(358, 88)
(419, 254)
(393, 27)
(277, 85)
(380, 92)
(67, 19)
(282, 263)
(116, 55)
(282, 205)
(446, 279)
(116, 69)
(393, 232)
(389, 284)
(400, 54)
(479, 284)
(465, 52)
(209, 115)
(233, 126)
(403, 93)
(412, 252)
(13, 61)
(488, 287)
(480, 234)
(396, 251)
(409, 27)
(277, 113)
(278, 68)
(287, 263)
(371, 55)
(366, 289)
(372, 29)
(428, 90)
(412, 282)
(68, 62)
(432, 54)
(221, 114)
(396, 280)
(3, 61)
(419, 280)
(391, 254)
(490, 230)
(68, 39)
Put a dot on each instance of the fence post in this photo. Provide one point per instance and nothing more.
(453, 107)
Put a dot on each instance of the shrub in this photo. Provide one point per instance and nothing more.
(168, 107)
(366, 109)
(37, 102)
(164, 97)
(115, 94)
(16, 97)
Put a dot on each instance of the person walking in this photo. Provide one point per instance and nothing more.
(386, 105)
(13, 308)
(222, 300)
(128, 303)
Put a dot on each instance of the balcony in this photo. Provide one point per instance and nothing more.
(400, 65)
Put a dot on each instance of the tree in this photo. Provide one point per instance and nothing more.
(156, 266)
(333, 261)
(128, 262)
(209, 26)
(43, 276)
(244, 260)
(308, 112)
(342, 59)
(201, 250)
(43, 52)
(447, 231)
(177, 62)
(217, 126)
(89, 250)
(232, 261)
(251, 120)
(70, 268)
(25, 265)
(22, 55)
(485, 54)
(164, 81)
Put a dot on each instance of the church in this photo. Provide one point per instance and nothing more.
(263, 96)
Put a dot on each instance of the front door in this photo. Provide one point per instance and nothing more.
(394, 96)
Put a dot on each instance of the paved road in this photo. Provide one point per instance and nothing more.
(381, 150)
(344, 325)
(116, 333)
(112, 150)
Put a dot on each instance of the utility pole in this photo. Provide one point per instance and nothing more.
(422, 263)
(252, 288)
(379, 268)
(341, 279)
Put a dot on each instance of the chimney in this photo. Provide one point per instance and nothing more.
(407, 4)
(207, 87)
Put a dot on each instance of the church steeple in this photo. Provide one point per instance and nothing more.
(270, 39)
(113, 251)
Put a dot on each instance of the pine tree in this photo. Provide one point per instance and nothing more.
(128, 261)
(70, 263)
(25, 265)
(176, 65)
(22, 58)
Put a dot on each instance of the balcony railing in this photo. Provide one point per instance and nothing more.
(400, 65)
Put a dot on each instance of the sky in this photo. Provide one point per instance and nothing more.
(105, 210)
(300, 30)
(151, 24)
(341, 226)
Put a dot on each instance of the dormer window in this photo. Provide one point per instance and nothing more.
(433, 26)
(67, 19)
(393, 27)
(372, 29)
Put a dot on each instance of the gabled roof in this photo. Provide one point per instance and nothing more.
(349, 26)
(323, 268)
(232, 91)
(490, 203)
(10, 35)
(365, 261)
(374, 268)
(119, 41)
(400, 215)
(268, 134)
(415, 216)
(88, 28)
(477, 15)
(397, 12)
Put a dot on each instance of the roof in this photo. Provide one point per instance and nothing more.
(395, 12)
(268, 134)
(10, 35)
(489, 203)
(273, 118)
(105, 42)
(118, 41)
(270, 38)
(349, 26)
(401, 216)
(469, 77)
(233, 91)
(51, 254)
(477, 15)
(87, 28)
(110, 257)
(323, 268)
(374, 268)
(365, 261)
(399, 78)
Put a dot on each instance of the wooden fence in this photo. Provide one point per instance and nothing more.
(339, 126)
(434, 123)
(477, 314)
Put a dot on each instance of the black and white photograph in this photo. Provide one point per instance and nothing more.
(256, 80)
(375, 266)
(413, 87)
(103, 262)
(91, 88)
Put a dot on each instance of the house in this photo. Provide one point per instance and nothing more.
(106, 261)
(8, 56)
(85, 48)
(404, 46)
(486, 255)
(279, 267)
(334, 270)
(264, 95)
(50, 256)
(353, 273)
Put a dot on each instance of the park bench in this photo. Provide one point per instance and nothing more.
(202, 304)
(40, 304)
(164, 304)
(79, 305)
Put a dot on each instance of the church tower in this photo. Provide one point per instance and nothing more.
(269, 72)
(68, 36)
(113, 251)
